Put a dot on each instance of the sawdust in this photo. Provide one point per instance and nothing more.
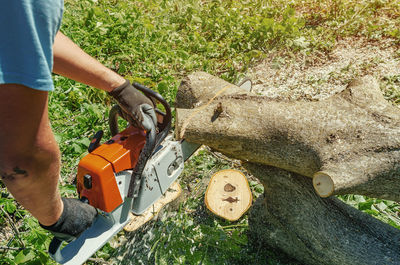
(318, 77)
(5, 233)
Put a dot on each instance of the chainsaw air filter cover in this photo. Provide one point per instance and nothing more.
(96, 178)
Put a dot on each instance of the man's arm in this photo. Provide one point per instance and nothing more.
(72, 62)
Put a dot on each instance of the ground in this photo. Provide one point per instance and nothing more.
(323, 75)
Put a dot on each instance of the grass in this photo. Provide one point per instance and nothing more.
(159, 42)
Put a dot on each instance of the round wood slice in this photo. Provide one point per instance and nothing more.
(228, 194)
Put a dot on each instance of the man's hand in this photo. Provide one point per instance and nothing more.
(139, 108)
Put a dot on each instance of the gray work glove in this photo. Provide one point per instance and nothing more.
(76, 217)
(139, 108)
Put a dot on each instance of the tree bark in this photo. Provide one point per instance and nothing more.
(348, 143)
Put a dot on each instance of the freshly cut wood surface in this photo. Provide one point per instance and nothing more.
(228, 194)
(138, 220)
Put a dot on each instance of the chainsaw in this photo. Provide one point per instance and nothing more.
(126, 174)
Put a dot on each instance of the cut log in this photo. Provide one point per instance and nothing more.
(291, 217)
(349, 143)
(228, 194)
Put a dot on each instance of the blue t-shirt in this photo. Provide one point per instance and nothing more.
(27, 31)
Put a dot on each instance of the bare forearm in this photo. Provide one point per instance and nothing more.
(72, 62)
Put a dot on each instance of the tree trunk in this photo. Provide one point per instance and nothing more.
(349, 143)
(314, 230)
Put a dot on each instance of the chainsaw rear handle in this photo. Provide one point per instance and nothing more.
(55, 249)
(104, 227)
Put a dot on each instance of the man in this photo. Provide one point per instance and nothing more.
(31, 47)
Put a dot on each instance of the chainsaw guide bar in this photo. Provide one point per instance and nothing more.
(136, 221)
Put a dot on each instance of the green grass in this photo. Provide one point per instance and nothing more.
(157, 43)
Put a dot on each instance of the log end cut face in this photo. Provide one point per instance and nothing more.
(323, 184)
(228, 194)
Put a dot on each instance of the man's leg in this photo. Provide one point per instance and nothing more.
(29, 154)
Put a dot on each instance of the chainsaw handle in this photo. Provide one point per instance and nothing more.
(153, 94)
(116, 112)
(151, 142)
(113, 119)
(144, 156)
(55, 248)
(163, 127)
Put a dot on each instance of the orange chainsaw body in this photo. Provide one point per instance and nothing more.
(96, 171)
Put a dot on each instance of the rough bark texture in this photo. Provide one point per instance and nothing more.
(350, 142)
(199, 88)
(292, 218)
